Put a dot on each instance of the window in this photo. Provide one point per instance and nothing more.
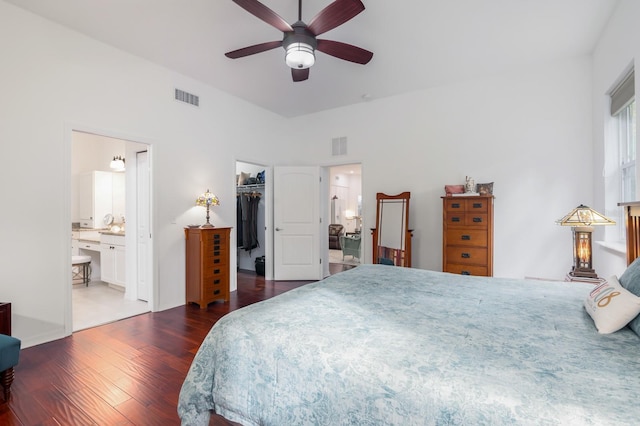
(620, 154)
(626, 129)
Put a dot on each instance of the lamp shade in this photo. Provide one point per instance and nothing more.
(207, 199)
(584, 216)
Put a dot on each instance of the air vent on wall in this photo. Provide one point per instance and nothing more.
(339, 146)
(183, 96)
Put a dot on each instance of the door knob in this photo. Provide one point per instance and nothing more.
(278, 229)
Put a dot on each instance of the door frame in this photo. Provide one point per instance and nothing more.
(69, 128)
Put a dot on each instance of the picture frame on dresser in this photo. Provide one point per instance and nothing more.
(485, 188)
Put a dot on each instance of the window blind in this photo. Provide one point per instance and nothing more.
(623, 94)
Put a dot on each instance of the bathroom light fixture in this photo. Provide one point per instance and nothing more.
(582, 219)
(206, 200)
(117, 163)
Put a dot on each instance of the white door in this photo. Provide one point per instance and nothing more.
(143, 225)
(296, 219)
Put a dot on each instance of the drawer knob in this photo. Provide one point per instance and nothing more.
(455, 205)
(455, 219)
(465, 272)
(465, 255)
(477, 205)
(477, 220)
(466, 237)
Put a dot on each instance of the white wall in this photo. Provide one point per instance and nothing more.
(617, 49)
(528, 131)
(54, 80)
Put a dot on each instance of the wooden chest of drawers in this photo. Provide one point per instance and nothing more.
(467, 237)
(207, 265)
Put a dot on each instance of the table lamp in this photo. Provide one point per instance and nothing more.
(582, 219)
(207, 200)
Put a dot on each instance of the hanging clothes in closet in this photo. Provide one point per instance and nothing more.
(247, 220)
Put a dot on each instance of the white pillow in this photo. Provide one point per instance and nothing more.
(242, 178)
(611, 306)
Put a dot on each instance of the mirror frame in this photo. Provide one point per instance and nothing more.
(406, 233)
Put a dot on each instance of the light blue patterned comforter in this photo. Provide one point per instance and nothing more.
(382, 345)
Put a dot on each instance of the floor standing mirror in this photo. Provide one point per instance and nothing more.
(392, 236)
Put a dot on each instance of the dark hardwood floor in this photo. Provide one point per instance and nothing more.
(124, 373)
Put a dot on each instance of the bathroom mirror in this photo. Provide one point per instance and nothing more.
(392, 236)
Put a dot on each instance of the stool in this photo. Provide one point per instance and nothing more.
(84, 264)
(9, 355)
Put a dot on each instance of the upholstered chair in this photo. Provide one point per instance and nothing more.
(9, 355)
(335, 232)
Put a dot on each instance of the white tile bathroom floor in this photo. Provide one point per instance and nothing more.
(99, 304)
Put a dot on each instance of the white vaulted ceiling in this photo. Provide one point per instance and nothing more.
(417, 44)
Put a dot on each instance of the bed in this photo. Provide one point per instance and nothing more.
(383, 345)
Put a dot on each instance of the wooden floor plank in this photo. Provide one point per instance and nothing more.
(102, 386)
(127, 372)
(101, 411)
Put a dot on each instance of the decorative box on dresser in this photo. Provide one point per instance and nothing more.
(207, 265)
(467, 237)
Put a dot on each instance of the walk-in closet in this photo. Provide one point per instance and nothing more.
(250, 216)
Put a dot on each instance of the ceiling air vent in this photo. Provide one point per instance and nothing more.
(183, 96)
(339, 146)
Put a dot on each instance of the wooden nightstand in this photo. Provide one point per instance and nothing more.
(5, 318)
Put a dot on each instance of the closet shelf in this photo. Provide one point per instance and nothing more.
(241, 188)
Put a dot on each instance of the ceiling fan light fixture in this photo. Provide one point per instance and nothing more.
(300, 55)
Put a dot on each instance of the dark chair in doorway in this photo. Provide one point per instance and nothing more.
(335, 232)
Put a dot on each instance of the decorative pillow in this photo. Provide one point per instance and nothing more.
(453, 189)
(611, 306)
(630, 279)
(243, 177)
(485, 188)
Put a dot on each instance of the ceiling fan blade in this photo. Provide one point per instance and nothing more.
(251, 50)
(299, 75)
(345, 51)
(337, 13)
(262, 12)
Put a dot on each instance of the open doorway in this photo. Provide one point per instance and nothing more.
(110, 218)
(251, 217)
(345, 217)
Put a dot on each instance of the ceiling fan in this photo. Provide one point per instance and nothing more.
(299, 39)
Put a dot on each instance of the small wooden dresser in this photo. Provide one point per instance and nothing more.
(467, 235)
(207, 265)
